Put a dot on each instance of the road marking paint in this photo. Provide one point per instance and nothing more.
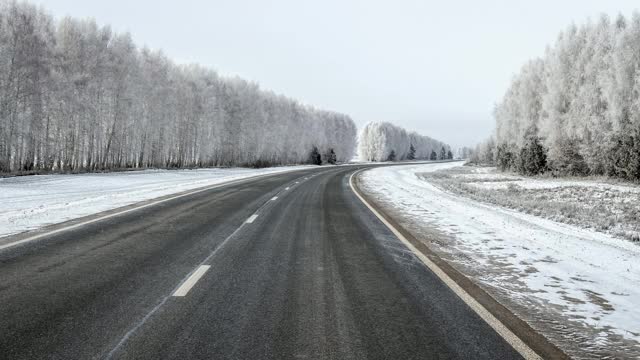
(251, 218)
(164, 300)
(297, 182)
(135, 208)
(274, 198)
(191, 280)
(487, 316)
(287, 188)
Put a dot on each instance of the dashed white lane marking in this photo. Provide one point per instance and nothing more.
(192, 280)
(287, 188)
(142, 321)
(297, 182)
(274, 198)
(252, 218)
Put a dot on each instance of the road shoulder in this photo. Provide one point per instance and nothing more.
(532, 340)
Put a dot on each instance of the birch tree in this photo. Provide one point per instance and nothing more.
(76, 96)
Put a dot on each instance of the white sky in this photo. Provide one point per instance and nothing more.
(432, 66)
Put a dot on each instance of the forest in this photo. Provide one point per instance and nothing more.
(576, 110)
(383, 141)
(75, 96)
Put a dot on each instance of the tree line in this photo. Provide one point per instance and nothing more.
(75, 96)
(383, 141)
(575, 111)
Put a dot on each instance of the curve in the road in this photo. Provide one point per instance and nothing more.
(314, 275)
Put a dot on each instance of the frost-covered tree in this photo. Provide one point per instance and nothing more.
(76, 96)
(485, 153)
(464, 153)
(378, 139)
(581, 100)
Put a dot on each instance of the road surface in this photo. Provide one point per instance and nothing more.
(290, 266)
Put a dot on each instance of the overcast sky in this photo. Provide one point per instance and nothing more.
(436, 67)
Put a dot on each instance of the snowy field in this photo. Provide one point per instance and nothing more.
(604, 205)
(30, 202)
(579, 287)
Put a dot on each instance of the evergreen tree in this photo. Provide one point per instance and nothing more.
(412, 153)
(449, 155)
(533, 157)
(392, 156)
(443, 153)
(506, 158)
(570, 161)
(331, 157)
(434, 155)
(623, 159)
(314, 157)
(634, 161)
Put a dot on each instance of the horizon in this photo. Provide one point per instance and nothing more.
(353, 66)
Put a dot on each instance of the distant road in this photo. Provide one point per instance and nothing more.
(290, 266)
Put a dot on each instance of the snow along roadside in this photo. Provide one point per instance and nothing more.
(32, 202)
(427, 259)
(576, 286)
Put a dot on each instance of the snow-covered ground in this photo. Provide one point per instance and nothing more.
(579, 287)
(605, 205)
(30, 202)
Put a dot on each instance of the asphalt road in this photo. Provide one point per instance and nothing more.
(315, 275)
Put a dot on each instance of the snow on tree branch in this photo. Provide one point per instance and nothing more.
(75, 96)
(581, 102)
(382, 141)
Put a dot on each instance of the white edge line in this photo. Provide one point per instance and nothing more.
(499, 327)
(74, 226)
(274, 198)
(191, 281)
(252, 218)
